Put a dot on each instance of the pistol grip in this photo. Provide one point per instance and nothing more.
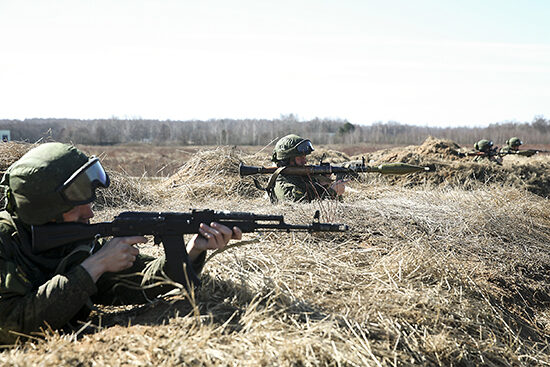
(176, 256)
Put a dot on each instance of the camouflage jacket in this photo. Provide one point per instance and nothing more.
(53, 290)
(508, 150)
(301, 188)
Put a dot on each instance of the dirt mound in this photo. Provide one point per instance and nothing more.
(452, 170)
(431, 148)
(328, 156)
(532, 177)
(214, 173)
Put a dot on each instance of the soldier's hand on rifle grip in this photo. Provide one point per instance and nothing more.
(211, 237)
(116, 255)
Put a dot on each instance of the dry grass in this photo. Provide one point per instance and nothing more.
(12, 151)
(212, 174)
(454, 275)
(532, 174)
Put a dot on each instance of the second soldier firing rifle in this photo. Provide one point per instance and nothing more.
(169, 228)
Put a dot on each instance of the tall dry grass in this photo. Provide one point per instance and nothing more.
(427, 275)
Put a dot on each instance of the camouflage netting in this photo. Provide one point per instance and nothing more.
(531, 174)
(215, 173)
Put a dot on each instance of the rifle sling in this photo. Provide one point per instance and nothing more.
(271, 184)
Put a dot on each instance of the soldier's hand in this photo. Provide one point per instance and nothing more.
(211, 237)
(339, 187)
(116, 255)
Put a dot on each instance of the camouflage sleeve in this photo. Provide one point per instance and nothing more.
(323, 191)
(291, 188)
(298, 188)
(25, 310)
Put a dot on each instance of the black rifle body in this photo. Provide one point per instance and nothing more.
(168, 228)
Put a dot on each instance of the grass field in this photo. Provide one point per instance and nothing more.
(450, 268)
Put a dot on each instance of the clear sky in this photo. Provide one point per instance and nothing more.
(423, 62)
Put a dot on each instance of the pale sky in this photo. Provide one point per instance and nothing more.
(422, 62)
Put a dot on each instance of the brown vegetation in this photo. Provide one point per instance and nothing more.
(532, 174)
(446, 271)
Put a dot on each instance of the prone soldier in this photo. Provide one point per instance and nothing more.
(55, 289)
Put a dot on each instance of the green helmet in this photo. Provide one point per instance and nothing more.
(483, 145)
(514, 142)
(291, 146)
(50, 180)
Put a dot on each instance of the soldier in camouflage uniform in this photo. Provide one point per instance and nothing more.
(292, 150)
(512, 147)
(56, 182)
(488, 151)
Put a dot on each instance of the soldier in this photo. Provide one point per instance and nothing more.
(56, 182)
(292, 150)
(512, 146)
(486, 149)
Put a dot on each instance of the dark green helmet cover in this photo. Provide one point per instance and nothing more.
(483, 145)
(286, 148)
(30, 184)
(514, 142)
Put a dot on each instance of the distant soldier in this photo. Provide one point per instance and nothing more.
(485, 149)
(512, 146)
(292, 150)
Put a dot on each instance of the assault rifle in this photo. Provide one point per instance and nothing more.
(493, 155)
(497, 153)
(526, 152)
(490, 153)
(169, 228)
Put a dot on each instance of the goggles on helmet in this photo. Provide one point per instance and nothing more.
(80, 187)
(304, 147)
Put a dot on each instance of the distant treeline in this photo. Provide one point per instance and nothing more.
(261, 132)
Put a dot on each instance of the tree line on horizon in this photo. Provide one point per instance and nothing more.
(262, 131)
